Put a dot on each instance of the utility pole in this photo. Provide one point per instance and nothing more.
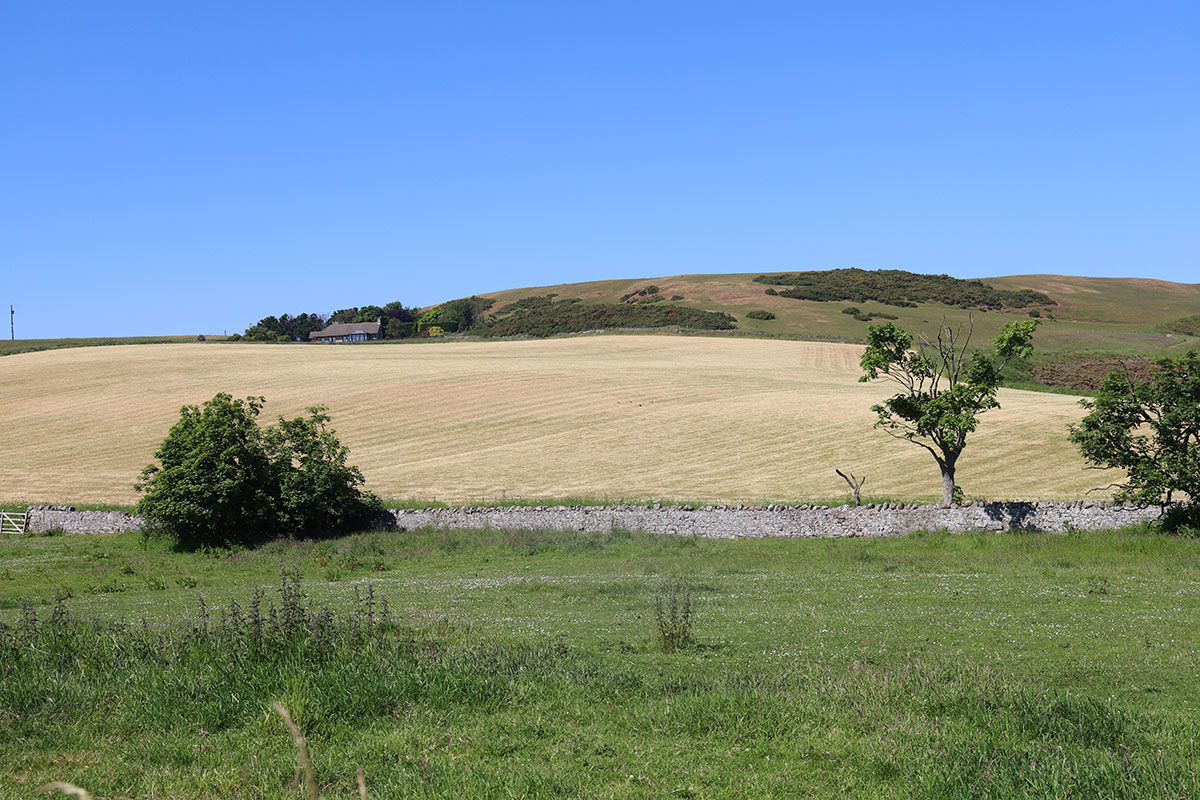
(12, 325)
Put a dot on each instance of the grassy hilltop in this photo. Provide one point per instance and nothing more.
(1130, 316)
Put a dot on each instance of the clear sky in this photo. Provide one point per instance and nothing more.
(177, 168)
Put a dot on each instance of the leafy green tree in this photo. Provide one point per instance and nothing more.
(369, 314)
(1150, 428)
(397, 310)
(221, 479)
(430, 318)
(214, 481)
(318, 490)
(458, 315)
(400, 322)
(261, 333)
(285, 328)
(943, 388)
(397, 329)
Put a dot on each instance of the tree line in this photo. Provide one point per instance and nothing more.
(398, 321)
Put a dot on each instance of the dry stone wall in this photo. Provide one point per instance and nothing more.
(40, 519)
(712, 522)
(794, 522)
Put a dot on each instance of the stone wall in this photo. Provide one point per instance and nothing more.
(735, 522)
(714, 522)
(40, 519)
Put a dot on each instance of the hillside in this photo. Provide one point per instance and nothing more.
(1128, 316)
(635, 417)
(1118, 317)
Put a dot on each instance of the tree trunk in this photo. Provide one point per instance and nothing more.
(947, 482)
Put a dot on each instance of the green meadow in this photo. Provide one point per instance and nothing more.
(528, 664)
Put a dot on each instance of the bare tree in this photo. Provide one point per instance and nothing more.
(855, 485)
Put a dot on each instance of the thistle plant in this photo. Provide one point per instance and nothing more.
(675, 619)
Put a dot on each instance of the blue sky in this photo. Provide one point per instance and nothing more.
(176, 168)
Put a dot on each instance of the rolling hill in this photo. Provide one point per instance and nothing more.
(1111, 315)
(621, 417)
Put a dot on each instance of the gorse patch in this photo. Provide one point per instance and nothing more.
(544, 316)
(898, 288)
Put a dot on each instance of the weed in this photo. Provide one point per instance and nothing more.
(113, 586)
(675, 620)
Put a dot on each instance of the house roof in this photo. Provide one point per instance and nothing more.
(347, 328)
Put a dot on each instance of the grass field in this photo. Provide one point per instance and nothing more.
(526, 664)
(630, 417)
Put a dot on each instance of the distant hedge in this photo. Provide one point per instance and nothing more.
(896, 287)
(545, 316)
(763, 315)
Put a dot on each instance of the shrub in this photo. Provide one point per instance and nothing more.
(852, 310)
(649, 294)
(764, 315)
(223, 480)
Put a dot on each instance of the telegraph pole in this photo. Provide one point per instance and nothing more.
(12, 326)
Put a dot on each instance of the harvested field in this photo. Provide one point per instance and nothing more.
(622, 417)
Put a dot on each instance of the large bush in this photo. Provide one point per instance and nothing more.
(221, 479)
(1148, 426)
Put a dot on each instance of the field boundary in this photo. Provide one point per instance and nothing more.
(710, 522)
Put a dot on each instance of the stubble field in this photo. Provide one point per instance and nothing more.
(618, 417)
